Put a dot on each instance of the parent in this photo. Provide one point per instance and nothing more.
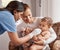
(33, 22)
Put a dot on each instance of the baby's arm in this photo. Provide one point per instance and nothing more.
(52, 37)
(45, 35)
(39, 42)
(40, 38)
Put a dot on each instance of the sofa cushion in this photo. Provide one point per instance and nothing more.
(56, 27)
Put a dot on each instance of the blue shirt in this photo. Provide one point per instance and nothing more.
(7, 22)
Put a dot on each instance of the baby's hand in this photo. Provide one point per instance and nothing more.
(35, 32)
(39, 37)
(43, 33)
(35, 38)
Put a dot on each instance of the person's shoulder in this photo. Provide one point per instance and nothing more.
(7, 21)
(8, 13)
(5, 13)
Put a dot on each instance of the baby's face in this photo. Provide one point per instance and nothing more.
(43, 26)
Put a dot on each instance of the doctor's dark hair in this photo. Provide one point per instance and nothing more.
(15, 5)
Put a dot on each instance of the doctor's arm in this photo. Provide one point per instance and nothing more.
(18, 41)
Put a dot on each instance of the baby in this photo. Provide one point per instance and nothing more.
(37, 42)
(44, 25)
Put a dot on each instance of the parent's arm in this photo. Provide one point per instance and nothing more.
(52, 37)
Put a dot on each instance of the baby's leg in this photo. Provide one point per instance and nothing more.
(36, 47)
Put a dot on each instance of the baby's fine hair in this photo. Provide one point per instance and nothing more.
(48, 20)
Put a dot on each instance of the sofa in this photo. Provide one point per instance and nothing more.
(55, 45)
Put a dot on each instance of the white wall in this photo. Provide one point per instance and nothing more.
(56, 10)
(38, 8)
(0, 3)
(44, 7)
(19, 0)
(4, 41)
(33, 7)
(49, 8)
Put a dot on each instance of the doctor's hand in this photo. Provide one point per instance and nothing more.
(35, 32)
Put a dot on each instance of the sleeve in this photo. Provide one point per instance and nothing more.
(52, 37)
(8, 23)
